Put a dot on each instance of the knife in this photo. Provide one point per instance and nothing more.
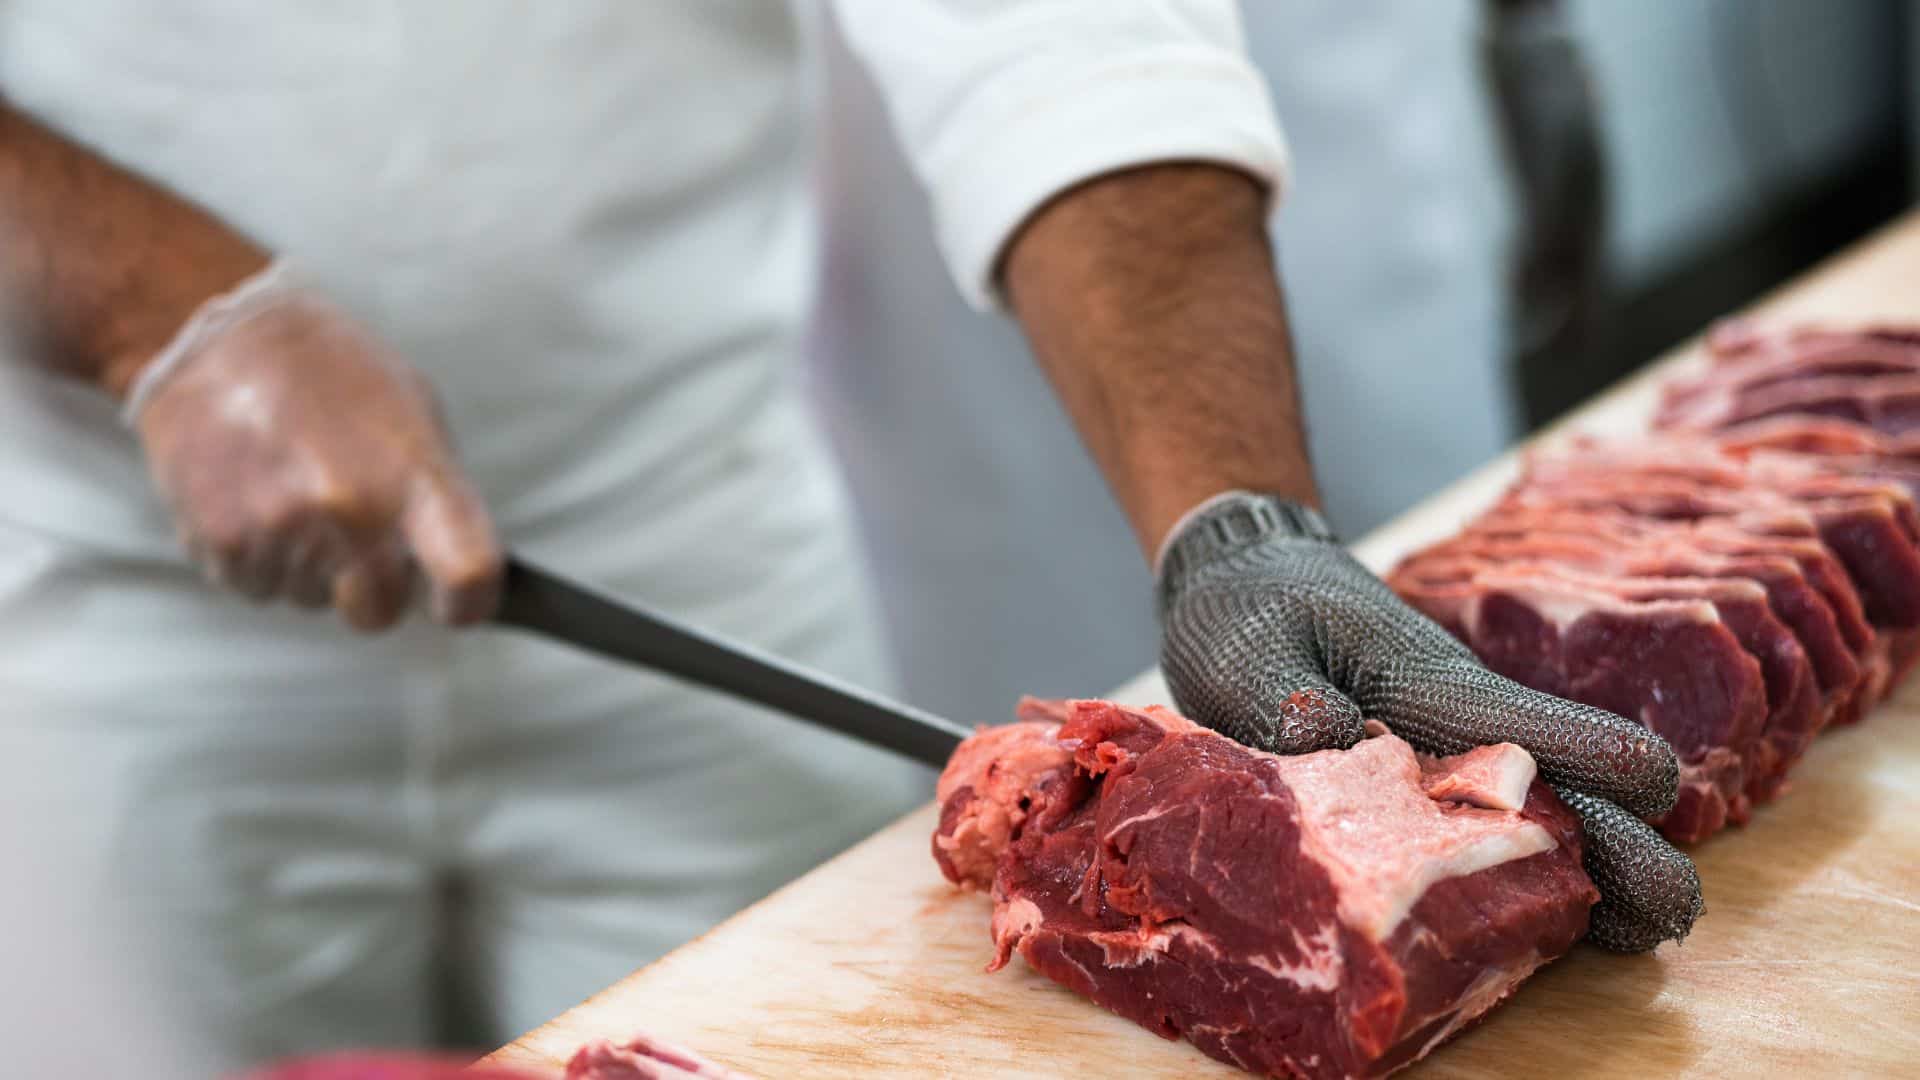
(537, 600)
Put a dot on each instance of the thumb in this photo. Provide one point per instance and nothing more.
(1253, 674)
(1265, 700)
(450, 535)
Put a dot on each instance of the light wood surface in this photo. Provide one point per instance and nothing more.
(1807, 963)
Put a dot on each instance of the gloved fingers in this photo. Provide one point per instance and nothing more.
(231, 563)
(1617, 929)
(372, 591)
(316, 556)
(1450, 705)
(1649, 889)
(1271, 698)
(451, 537)
(261, 571)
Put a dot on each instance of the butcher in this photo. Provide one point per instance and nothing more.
(317, 305)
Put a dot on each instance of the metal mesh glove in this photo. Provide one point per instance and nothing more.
(1275, 636)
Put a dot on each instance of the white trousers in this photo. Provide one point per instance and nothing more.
(309, 826)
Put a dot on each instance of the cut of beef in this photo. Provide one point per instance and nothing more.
(1865, 532)
(1664, 652)
(1595, 547)
(1755, 374)
(1835, 445)
(1788, 463)
(1795, 709)
(1870, 520)
(1789, 536)
(1886, 403)
(1332, 914)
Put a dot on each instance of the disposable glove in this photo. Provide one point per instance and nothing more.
(1275, 636)
(303, 459)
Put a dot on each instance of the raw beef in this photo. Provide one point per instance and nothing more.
(1866, 533)
(1794, 709)
(1787, 536)
(1822, 436)
(1767, 535)
(1886, 403)
(1802, 372)
(1665, 652)
(1593, 548)
(1332, 914)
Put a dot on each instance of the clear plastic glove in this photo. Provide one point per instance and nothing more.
(303, 459)
(1277, 637)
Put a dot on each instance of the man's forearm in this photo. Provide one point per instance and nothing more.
(1151, 300)
(98, 267)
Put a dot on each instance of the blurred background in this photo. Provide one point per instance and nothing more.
(1448, 295)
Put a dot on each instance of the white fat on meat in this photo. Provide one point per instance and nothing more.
(1320, 966)
(1565, 604)
(1366, 818)
(1490, 777)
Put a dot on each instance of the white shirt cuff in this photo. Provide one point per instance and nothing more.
(1000, 161)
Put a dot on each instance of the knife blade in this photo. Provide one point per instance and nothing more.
(537, 600)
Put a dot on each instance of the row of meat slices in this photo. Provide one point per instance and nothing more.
(1740, 579)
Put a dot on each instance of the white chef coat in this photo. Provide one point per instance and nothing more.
(588, 224)
(1391, 246)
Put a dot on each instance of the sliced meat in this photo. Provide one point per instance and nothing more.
(1889, 404)
(1673, 665)
(1864, 532)
(1733, 388)
(1796, 710)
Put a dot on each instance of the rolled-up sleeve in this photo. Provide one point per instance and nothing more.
(1002, 104)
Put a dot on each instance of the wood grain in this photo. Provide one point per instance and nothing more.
(1807, 963)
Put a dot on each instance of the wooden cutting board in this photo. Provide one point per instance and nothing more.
(1807, 963)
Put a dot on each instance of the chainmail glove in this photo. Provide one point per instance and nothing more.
(1275, 636)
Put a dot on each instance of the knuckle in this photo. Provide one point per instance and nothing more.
(284, 516)
(481, 571)
(336, 501)
(225, 542)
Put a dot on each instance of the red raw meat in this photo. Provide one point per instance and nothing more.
(1789, 536)
(1331, 914)
(1795, 710)
(1842, 381)
(1867, 533)
(1666, 653)
(1869, 520)
(1789, 463)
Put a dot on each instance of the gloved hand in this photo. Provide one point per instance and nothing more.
(303, 459)
(1277, 637)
